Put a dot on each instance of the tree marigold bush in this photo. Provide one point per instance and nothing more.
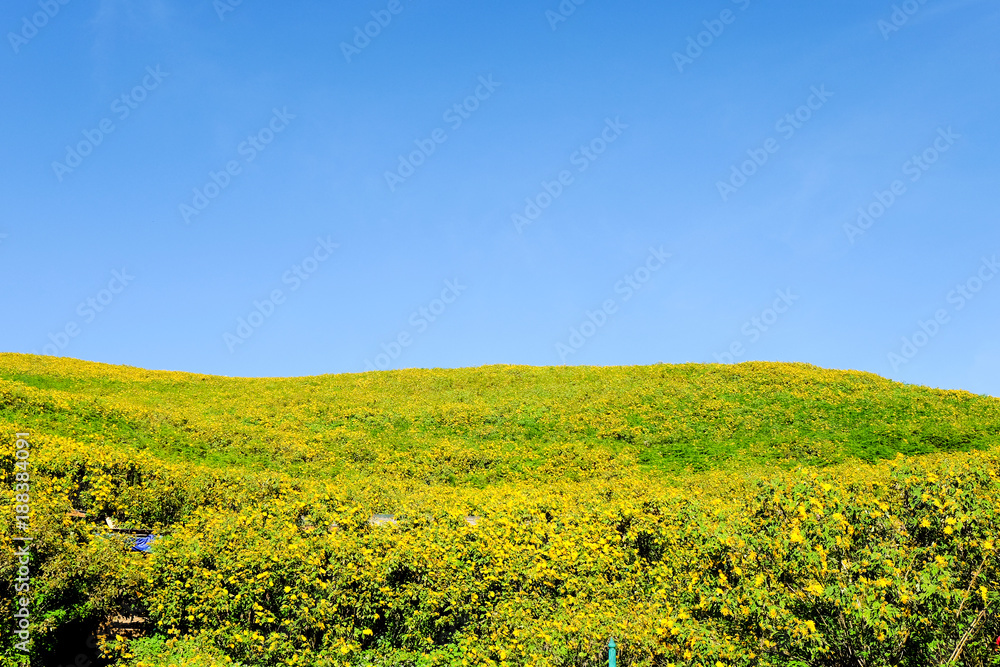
(891, 562)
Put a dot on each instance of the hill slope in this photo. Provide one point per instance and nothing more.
(479, 425)
(587, 523)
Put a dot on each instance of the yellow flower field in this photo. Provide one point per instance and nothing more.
(882, 562)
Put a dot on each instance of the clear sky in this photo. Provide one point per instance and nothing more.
(271, 189)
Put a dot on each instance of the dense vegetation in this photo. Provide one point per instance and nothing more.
(482, 425)
(755, 514)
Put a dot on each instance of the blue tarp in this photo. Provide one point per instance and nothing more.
(144, 543)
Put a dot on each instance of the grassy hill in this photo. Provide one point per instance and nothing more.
(478, 425)
(756, 514)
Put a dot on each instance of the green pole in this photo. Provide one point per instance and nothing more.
(612, 653)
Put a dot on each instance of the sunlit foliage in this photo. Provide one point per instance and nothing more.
(582, 532)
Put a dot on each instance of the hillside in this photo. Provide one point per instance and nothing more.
(750, 515)
(479, 425)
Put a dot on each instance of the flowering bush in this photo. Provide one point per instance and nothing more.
(883, 563)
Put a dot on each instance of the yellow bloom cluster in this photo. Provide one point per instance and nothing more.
(263, 491)
(268, 569)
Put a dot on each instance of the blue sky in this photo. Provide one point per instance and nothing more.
(260, 189)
